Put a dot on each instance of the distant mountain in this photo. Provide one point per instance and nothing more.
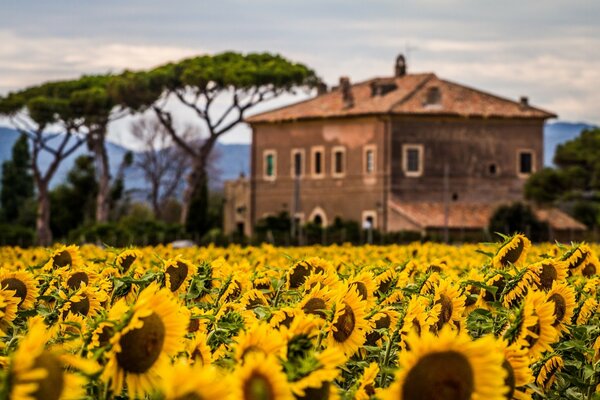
(234, 159)
(559, 132)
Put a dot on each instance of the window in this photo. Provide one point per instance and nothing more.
(318, 217)
(369, 159)
(270, 165)
(412, 160)
(297, 163)
(318, 170)
(339, 161)
(369, 219)
(525, 162)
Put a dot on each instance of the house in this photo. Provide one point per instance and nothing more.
(406, 152)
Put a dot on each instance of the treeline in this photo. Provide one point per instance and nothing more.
(58, 118)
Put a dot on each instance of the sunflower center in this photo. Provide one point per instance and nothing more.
(361, 288)
(440, 376)
(177, 275)
(194, 325)
(75, 281)
(385, 285)
(446, 312)
(62, 259)
(258, 387)
(560, 308)
(535, 330)
(141, 347)
(315, 306)
(105, 334)
(81, 307)
(322, 392)
(299, 274)
(189, 396)
(127, 261)
(51, 386)
(514, 252)
(17, 285)
(509, 381)
(344, 325)
(589, 270)
(548, 276)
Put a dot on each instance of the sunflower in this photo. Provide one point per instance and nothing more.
(231, 290)
(24, 285)
(260, 377)
(126, 258)
(140, 349)
(547, 374)
(64, 256)
(198, 350)
(385, 281)
(449, 305)
(591, 267)
(563, 297)
(177, 274)
(365, 286)
(284, 317)
(513, 250)
(540, 336)
(366, 389)
(449, 366)
(318, 301)
(297, 274)
(9, 304)
(499, 282)
(253, 298)
(516, 364)
(348, 328)
(519, 285)
(549, 271)
(586, 310)
(183, 381)
(577, 256)
(83, 301)
(38, 372)
(386, 320)
(318, 384)
(259, 337)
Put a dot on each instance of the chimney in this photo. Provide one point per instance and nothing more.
(524, 101)
(321, 88)
(400, 66)
(346, 89)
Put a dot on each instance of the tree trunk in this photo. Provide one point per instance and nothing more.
(194, 179)
(97, 146)
(42, 223)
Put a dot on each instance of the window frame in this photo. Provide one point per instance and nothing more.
(533, 161)
(302, 153)
(334, 150)
(421, 151)
(369, 148)
(313, 152)
(266, 154)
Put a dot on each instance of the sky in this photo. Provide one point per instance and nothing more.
(546, 50)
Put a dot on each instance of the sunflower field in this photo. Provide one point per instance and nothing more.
(423, 321)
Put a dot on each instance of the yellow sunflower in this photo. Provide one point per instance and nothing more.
(39, 372)
(547, 374)
(563, 297)
(297, 274)
(260, 377)
(284, 317)
(126, 259)
(450, 366)
(549, 271)
(84, 301)
(366, 389)
(64, 256)
(516, 364)
(9, 305)
(577, 256)
(416, 319)
(259, 337)
(540, 336)
(448, 305)
(24, 285)
(318, 301)
(385, 319)
(178, 272)
(318, 384)
(587, 309)
(141, 349)
(591, 267)
(253, 298)
(513, 250)
(347, 331)
(189, 382)
(198, 350)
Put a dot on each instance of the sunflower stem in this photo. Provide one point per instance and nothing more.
(386, 358)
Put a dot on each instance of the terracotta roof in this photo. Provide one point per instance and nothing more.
(472, 215)
(404, 95)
